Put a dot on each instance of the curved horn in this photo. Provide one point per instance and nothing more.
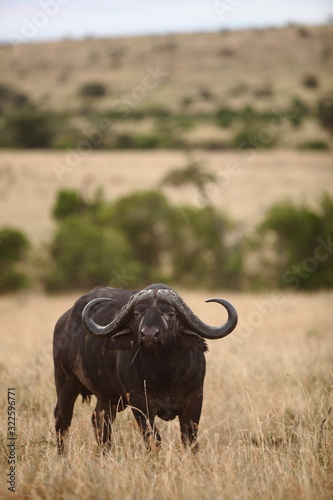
(198, 326)
(117, 324)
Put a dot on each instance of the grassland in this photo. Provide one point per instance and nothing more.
(266, 431)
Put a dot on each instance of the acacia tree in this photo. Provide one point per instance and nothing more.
(200, 251)
(193, 174)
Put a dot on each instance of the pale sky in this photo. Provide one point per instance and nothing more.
(39, 20)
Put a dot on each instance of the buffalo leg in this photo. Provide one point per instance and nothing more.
(148, 429)
(102, 419)
(68, 389)
(189, 421)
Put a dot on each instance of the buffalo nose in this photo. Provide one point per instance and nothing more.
(149, 333)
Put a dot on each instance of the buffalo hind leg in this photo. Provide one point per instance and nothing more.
(151, 436)
(102, 420)
(68, 390)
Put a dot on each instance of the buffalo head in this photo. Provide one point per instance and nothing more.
(157, 317)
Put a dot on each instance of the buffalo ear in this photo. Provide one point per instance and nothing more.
(192, 341)
(122, 341)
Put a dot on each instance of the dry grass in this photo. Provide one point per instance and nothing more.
(266, 431)
(249, 183)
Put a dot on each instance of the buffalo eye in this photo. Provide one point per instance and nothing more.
(169, 314)
(137, 314)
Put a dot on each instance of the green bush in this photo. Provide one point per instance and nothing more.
(31, 128)
(310, 81)
(150, 140)
(253, 138)
(156, 139)
(144, 235)
(325, 113)
(297, 112)
(11, 99)
(69, 202)
(225, 117)
(92, 89)
(316, 144)
(199, 251)
(145, 219)
(13, 250)
(302, 245)
(124, 141)
(85, 255)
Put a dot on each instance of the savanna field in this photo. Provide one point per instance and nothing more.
(266, 429)
(266, 426)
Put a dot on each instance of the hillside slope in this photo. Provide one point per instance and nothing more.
(265, 66)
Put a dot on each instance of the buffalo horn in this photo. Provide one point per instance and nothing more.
(198, 326)
(119, 323)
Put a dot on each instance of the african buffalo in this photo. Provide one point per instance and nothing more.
(143, 349)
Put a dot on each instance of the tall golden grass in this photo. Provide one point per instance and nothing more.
(266, 429)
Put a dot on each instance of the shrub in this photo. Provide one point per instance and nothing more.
(144, 235)
(157, 111)
(298, 232)
(13, 249)
(310, 81)
(263, 91)
(84, 255)
(186, 101)
(316, 144)
(145, 219)
(304, 32)
(325, 113)
(225, 117)
(256, 138)
(31, 128)
(123, 141)
(298, 111)
(205, 93)
(11, 99)
(70, 203)
(199, 252)
(92, 89)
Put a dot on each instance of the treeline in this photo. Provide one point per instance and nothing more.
(142, 238)
(26, 125)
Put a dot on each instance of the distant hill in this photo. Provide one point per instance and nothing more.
(189, 74)
(233, 66)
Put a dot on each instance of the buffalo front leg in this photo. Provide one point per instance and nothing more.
(189, 423)
(151, 436)
(102, 420)
(68, 391)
